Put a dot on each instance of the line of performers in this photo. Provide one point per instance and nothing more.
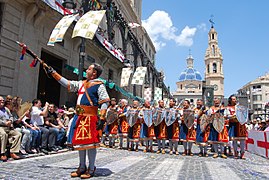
(216, 125)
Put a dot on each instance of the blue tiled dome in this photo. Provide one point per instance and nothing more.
(190, 74)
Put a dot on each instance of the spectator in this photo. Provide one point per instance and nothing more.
(8, 102)
(55, 126)
(37, 120)
(20, 126)
(8, 132)
(263, 125)
(267, 125)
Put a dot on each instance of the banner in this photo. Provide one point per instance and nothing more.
(115, 52)
(157, 94)
(139, 75)
(60, 29)
(88, 24)
(57, 5)
(258, 143)
(147, 94)
(125, 76)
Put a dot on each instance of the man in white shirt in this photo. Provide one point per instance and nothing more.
(37, 120)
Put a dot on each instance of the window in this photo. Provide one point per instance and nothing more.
(208, 70)
(191, 100)
(257, 97)
(199, 86)
(110, 75)
(257, 107)
(180, 86)
(214, 68)
(212, 36)
(213, 50)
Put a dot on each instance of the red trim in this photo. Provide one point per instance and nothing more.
(80, 89)
(249, 141)
(264, 144)
(66, 11)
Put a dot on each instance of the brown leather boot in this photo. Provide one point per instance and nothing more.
(88, 174)
(3, 158)
(77, 173)
(14, 156)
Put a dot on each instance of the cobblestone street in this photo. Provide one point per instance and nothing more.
(122, 164)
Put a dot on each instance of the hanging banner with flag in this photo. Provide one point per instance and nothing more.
(139, 76)
(115, 52)
(125, 76)
(88, 24)
(60, 29)
(133, 25)
(57, 5)
(157, 94)
(147, 94)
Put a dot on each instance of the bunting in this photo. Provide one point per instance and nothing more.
(88, 24)
(125, 76)
(157, 94)
(139, 76)
(60, 29)
(57, 5)
(114, 51)
(147, 94)
(133, 25)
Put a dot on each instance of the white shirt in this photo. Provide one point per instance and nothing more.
(36, 119)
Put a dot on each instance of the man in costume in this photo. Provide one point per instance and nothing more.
(218, 131)
(160, 126)
(187, 131)
(237, 131)
(147, 130)
(112, 122)
(84, 129)
(123, 123)
(202, 130)
(134, 122)
(171, 120)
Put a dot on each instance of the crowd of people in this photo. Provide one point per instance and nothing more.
(45, 129)
(35, 129)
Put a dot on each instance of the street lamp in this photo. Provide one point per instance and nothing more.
(69, 4)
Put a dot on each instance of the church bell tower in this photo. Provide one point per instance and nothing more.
(214, 63)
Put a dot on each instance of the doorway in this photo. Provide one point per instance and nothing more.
(49, 88)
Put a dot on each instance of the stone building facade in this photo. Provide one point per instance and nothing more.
(32, 21)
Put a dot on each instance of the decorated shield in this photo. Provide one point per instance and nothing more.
(241, 113)
(148, 115)
(158, 116)
(111, 116)
(204, 121)
(171, 116)
(188, 116)
(132, 116)
(218, 122)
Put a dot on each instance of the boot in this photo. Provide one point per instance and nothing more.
(77, 173)
(88, 174)
(190, 153)
(184, 153)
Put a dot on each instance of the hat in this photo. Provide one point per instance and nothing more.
(113, 99)
(263, 121)
(70, 111)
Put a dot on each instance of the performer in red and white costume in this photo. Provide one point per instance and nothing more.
(84, 135)
(237, 131)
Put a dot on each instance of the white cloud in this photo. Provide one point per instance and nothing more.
(160, 29)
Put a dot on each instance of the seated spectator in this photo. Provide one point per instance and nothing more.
(7, 132)
(37, 121)
(68, 116)
(55, 126)
(263, 125)
(35, 134)
(20, 126)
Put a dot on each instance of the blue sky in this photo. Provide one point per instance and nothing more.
(180, 25)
